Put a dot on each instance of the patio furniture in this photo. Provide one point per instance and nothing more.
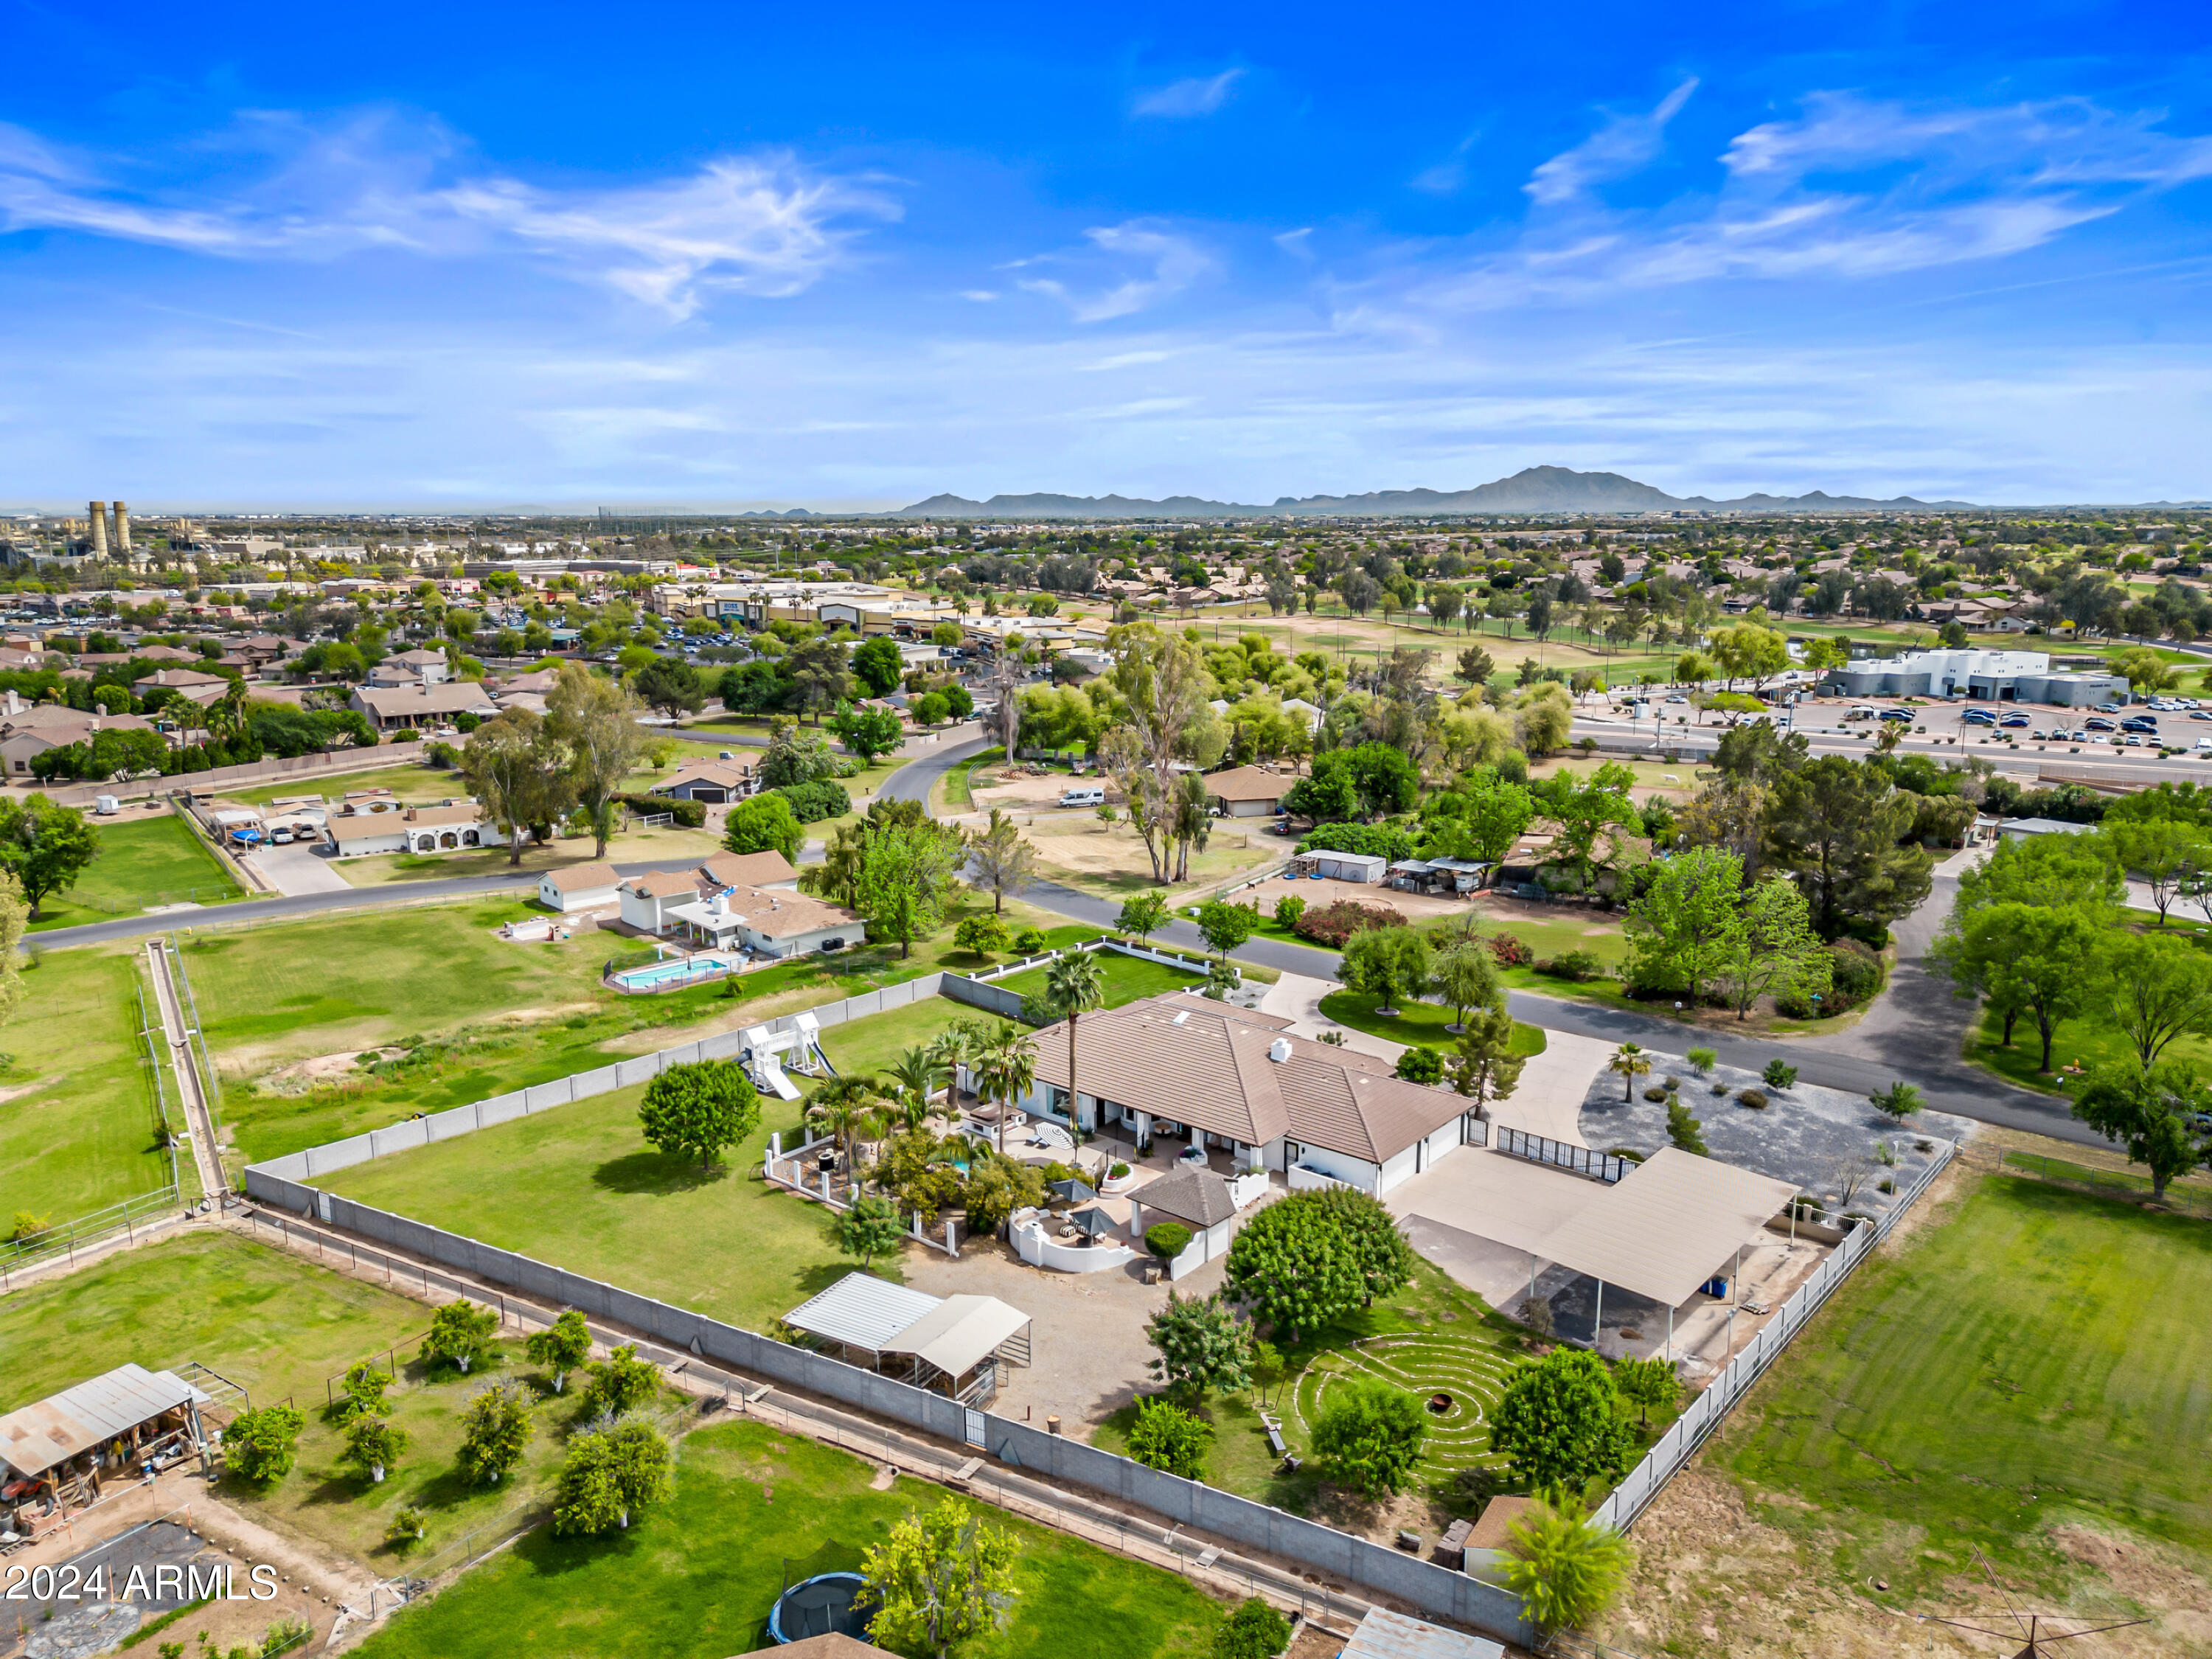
(1275, 1441)
(1092, 1224)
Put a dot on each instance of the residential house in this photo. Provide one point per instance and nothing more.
(391, 709)
(1249, 792)
(580, 887)
(27, 731)
(456, 826)
(1237, 1080)
(196, 687)
(716, 781)
(649, 901)
(765, 921)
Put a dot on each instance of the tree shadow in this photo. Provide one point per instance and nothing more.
(655, 1173)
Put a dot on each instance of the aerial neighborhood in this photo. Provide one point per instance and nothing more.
(1002, 1078)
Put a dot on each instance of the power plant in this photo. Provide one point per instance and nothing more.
(105, 540)
(100, 530)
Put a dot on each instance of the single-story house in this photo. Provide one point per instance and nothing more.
(715, 780)
(1249, 792)
(392, 708)
(1178, 1064)
(31, 732)
(580, 887)
(202, 688)
(763, 870)
(777, 923)
(2027, 828)
(455, 827)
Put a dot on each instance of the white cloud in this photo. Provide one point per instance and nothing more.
(1185, 99)
(763, 225)
(1447, 176)
(1624, 145)
(1175, 262)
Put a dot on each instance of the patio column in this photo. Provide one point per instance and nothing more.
(1144, 1128)
(1670, 1336)
(1597, 1324)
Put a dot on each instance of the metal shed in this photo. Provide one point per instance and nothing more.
(952, 1344)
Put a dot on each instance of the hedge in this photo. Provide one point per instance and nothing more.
(691, 814)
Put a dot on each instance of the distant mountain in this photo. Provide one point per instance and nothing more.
(1535, 489)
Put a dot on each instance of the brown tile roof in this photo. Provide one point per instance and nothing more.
(664, 883)
(1248, 783)
(581, 878)
(786, 915)
(749, 869)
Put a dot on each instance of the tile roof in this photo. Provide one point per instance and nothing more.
(1249, 783)
(1198, 1196)
(749, 869)
(581, 878)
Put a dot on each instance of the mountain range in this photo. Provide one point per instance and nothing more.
(1533, 490)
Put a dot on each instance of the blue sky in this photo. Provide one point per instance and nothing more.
(723, 255)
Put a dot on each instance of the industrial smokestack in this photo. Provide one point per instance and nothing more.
(122, 528)
(100, 530)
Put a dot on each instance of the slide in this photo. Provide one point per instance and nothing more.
(823, 1060)
(772, 1075)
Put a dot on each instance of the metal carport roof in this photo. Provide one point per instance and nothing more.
(1668, 1226)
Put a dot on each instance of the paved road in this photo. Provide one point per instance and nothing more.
(1914, 1033)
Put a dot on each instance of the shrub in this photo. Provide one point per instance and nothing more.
(1779, 1074)
(1370, 1438)
(1655, 1095)
(1254, 1631)
(1166, 1437)
(406, 1528)
(688, 814)
(1855, 975)
(1419, 1065)
(1578, 967)
(1166, 1239)
(1703, 1059)
(1755, 1099)
(1510, 950)
(1288, 909)
(1682, 1129)
(1029, 942)
(1375, 840)
(811, 803)
(405, 734)
(259, 1445)
(1333, 924)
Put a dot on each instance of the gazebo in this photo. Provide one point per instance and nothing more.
(954, 1345)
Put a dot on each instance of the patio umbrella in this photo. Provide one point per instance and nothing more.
(1073, 1191)
(1093, 1224)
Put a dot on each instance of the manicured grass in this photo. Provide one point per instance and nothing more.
(2091, 1040)
(581, 1188)
(1421, 1023)
(272, 1322)
(411, 781)
(1126, 979)
(2037, 1360)
(867, 1046)
(696, 1577)
(142, 861)
(77, 1133)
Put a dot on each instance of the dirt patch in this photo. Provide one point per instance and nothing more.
(303, 1075)
(1013, 790)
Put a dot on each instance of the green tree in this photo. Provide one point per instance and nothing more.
(519, 773)
(259, 1445)
(2029, 958)
(795, 756)
(461, 1335)
(621, 1383)
(1225, 926)
(671, 684)
(1369, 1437)
(1688, 923)
(819, 675)
(363, 1387)
(867, 732)
(607, 1475)
(1560, 1422)
(907, 873)
(698, 1109)
(1006, 1071)
(1295, 1268)
(2165, 853)
(1202, 1346)
(1774, 952)
(2151, 1112)
(1166, 1437)
(1381, 962)
(595, 720)
(2157, 989)
(1142, 915)
(1254, 1631)
(1835, 824)
(1466, 978)
(495, 1429)
(1420, 1064)
(1566, 1568)
(1484, 1067)
(1648, 1385)
(1629, 1062)
(1683, 1129)
(983, 936)
(939, 1580)
(878, 666)
(1750, 652)
(1383, 1257)
(1497, 810)
(1896, 1102)
(2078, 871)
(870, 1229)
(1001, 859)
(45, 847)
(1589, 816)
(561, 1346)
(373, 1446)
(763, 823)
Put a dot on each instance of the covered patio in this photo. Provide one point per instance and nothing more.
(953, 1344)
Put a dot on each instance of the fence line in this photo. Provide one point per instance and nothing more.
(1690, 1431)
(160, 1093)
(129, 1217)
(210, 1080)
(1560, 1155)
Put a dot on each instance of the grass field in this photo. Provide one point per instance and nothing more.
(581, 1187)
(76, 1106)
(2037, 1360)
(696, 1577)
(142, 861)
(411, 781)
(2088, 1041)
(1126, 979)
(1421, 1023)
(273, 1323)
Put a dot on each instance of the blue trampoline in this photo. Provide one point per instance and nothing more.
(819, 1606)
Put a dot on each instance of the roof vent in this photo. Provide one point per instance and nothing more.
(1182, 1017)
(1280, 1050)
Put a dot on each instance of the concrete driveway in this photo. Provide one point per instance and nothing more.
(296, 870)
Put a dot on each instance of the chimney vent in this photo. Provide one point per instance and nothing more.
(1280, 1050)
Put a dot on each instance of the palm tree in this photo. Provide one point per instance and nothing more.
(1076, 985)
(1006, 1070)
(1630, 1062)
(954, 1047)
(848, 1107)
(915, 1071)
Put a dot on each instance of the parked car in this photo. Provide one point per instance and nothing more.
(2095, 724)
(1904, 714)
(1977, 717)
(2012, 720)
(281, 836)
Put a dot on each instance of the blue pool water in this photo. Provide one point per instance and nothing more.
(666, 972)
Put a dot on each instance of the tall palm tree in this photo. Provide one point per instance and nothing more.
(1006, 1070)
(915, 1071)
(1076, 984)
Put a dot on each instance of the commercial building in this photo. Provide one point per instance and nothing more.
(1982, 675)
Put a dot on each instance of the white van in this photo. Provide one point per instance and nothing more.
(1085, 795)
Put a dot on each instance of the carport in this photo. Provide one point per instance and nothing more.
(952, 1344)
(1665, 1231)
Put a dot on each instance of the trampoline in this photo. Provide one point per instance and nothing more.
(819, 1605)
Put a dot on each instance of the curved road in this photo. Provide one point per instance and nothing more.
(1914, 1031)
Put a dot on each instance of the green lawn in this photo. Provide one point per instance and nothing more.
(1422, 1022)
(1126, 979)
(272, 1322)
(956, 790)
(2088, 1041)
(696, 1577)
(76, 1128)
(410, 781)
(142, 861)
(581, 1188)
(2036, 1361)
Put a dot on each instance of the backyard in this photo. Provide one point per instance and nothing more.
(76, 1105)
(696, 1577)
(1421, 1023)
(142, 861)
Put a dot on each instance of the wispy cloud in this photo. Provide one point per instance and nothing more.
(764, 224)
(1447, 176)
(1625, 144)
(1175, 263)
(1187, 98)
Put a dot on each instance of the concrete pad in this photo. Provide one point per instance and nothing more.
(1296, 998)
(295, 870)
(1490, 1195)
(1548, 1099)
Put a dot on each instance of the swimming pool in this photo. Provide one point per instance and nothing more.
(661, 974)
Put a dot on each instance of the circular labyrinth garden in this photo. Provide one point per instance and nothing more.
(1458, 1385)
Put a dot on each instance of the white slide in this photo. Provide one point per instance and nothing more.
(773, 1074)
